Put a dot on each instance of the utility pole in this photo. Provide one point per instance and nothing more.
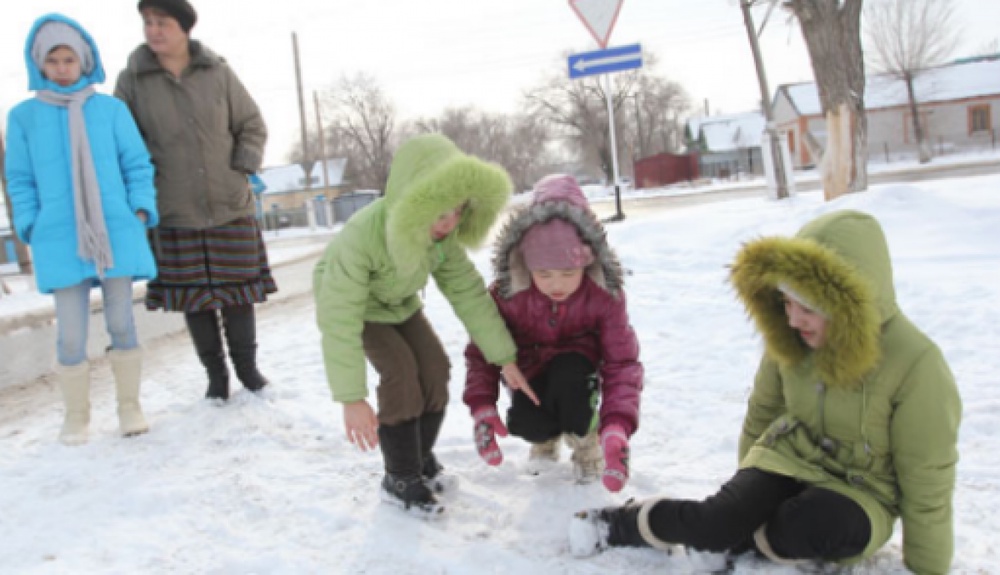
(773, 142)
(322, 143)
(302, 107)
(23, 259)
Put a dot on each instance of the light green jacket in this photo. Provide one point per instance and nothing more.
(874, 412)
(375, 266)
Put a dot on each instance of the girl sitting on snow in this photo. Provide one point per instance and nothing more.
(852, 422)
(559, 289)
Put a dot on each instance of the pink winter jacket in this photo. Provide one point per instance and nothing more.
(591, 322)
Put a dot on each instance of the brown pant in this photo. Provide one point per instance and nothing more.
(413, 368)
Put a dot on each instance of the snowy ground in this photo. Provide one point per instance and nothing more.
(270, 485)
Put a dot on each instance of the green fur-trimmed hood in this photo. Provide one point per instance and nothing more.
(509, 269)
(430, 176)
(839, 263)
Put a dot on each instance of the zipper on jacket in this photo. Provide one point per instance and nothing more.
(826, 444)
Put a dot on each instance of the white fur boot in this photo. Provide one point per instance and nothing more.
(74, 382)
(127, 367)
(588, 458)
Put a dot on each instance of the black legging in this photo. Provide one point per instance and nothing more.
(567, 390)
(803, 522)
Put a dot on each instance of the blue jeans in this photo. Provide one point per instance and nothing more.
(73, 315)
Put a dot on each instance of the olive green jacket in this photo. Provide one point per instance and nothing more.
(874, 412)
(204, 132)
(375, 266)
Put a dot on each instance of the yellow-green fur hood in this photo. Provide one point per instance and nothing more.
(840, 264)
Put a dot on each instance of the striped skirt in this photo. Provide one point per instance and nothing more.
(210, 269)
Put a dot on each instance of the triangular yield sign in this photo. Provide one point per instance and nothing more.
(598, 16)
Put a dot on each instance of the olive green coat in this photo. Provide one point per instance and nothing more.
(204, 133)
(874, 412)
(375, 266)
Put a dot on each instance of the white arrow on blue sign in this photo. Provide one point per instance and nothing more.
(605, 61)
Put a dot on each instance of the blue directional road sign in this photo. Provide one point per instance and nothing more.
(605, 61)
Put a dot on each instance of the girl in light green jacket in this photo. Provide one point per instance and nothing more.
(438, 202)
(852, 422)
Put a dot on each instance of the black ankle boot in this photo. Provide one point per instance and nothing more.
(403, 484)
(623, 525)
(204, 329)
(241, 335)
(430, 426)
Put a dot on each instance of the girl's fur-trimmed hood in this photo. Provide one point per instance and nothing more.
(838, 262)
(509, 269)
(430, 176)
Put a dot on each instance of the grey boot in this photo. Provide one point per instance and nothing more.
(588, 458)
(241, 336)
(74, 382)
(543, 456)
(127, 367)
(204, 329)
(403, 484)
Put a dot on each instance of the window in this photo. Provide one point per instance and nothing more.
(979, 118)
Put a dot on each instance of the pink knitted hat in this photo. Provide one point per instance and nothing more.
(555, 245)
(560, 188)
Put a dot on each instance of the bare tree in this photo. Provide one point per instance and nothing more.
(518, 143)
(654, 121)
(577, 110)
(904, 39)
(362, 128)
(832, 33)
(989, 48)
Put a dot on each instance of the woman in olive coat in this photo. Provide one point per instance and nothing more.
(206, 136)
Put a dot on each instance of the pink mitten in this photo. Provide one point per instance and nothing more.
(488, 426)
(614, 442)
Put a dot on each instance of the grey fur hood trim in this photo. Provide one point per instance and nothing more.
(511, 273)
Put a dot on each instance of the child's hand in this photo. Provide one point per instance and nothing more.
(614, 442)
(361, 425)
(488, 426)
(516, 381)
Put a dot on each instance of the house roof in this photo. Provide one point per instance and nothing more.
(956, 81)
(728, 132)
(291, 178)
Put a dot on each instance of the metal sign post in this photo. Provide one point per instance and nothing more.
(599, 16)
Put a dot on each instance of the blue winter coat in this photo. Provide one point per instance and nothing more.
(40, 182)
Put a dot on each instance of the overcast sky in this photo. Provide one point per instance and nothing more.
(432, 54)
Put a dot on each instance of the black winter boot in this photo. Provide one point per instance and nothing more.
(204, 329)
(594, 530)
(623, 524)
(431, 469)
(403, 485)
(241, 334)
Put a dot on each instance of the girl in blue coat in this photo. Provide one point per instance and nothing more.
(81, 189)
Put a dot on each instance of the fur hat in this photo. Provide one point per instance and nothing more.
(179, 10)
(53, 34)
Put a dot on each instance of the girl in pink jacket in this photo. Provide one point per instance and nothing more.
(559, 289)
